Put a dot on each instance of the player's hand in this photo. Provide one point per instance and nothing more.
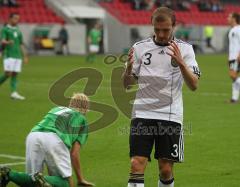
(130, 61)
(238, 59)
(85, 183)
(8, 42)
(175, 53)
(25, 60)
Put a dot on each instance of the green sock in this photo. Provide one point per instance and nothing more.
(21, 179)
(13, 83)
(88, 59)
(57, 181)
(3, 78)
(91, 57)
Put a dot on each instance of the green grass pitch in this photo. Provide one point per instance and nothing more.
(212, 126)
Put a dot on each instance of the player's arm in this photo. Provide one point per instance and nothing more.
(190, 78)
(128, 77)
(75, 158)
(24, 52)
(23, 49)
(7, 42)
(4, 40)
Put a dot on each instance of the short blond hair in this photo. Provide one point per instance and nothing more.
(162, 14)
(80, 102)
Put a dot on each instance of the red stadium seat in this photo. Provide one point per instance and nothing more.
(124, 12)
(32, 12)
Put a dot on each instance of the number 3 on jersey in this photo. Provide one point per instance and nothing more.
(175, 154)
(148, 56)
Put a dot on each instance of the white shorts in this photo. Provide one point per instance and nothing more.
(12, 65)
(48, 148)
(94, 48)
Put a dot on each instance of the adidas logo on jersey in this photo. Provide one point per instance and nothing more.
(161, 52)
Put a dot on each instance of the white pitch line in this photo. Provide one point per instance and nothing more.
(13, 164)
(12, 157)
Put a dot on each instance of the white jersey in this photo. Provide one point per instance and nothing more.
(160, 81)
(234, 42)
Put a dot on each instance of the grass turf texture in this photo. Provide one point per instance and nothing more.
(211, 125)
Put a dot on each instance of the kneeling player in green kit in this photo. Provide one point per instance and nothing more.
(56, 141)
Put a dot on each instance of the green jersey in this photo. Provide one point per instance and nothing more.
(95, 36)
(69, 124)
(14, 34)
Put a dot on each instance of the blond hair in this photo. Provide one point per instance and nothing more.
(80, 102)
(162, 14)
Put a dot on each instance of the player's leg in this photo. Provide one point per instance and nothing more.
(136, 176)
(17, 67)
(57, 181)
(25, 180)
(141, 144)
(13, 82)
(233, 73)
(34, 153)
(19, 178)
(166, 173)
(4, 77)
(8, 67)
(168, 149)
(57, 157)
(93, 50)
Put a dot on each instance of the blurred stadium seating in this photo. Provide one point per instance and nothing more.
(124, 12)
(32, 12)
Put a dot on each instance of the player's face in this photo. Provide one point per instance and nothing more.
(14, 20)
(163, 31)
(230, 19)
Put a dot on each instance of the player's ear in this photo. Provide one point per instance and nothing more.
(152, 20)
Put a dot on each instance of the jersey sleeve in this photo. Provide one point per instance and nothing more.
(4, 34)
(190, 60)
(81, 130)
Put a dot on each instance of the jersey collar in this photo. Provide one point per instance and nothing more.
(160, 44)
(10, 26)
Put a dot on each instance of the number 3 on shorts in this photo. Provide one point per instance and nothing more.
(175, 154)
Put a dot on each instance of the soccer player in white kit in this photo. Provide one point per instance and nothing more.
(234, 54)
(159, 65)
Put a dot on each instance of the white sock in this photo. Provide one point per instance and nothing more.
(236, 89)
(169, 183)
(136, 180)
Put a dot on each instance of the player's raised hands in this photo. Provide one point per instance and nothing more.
(175, 53)
(130, 61)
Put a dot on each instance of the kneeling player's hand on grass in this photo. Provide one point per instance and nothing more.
(85, 183)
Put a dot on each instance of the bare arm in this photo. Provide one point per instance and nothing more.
(189, 77)
(75, 157)
(24, 52)
(128, 78)
(7, 42)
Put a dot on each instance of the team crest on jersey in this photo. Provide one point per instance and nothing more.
(15, 34)
(174, 63)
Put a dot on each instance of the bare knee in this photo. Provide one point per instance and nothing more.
(8, 74)
(138, 164)
(233, 75)
(166, 169)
